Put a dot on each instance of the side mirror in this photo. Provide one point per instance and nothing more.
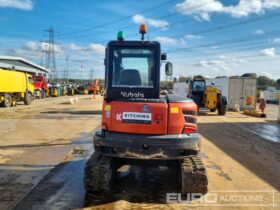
(168, 69)
(163, 57)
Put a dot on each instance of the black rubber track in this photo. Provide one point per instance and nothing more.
(99, 174)
(193, 175)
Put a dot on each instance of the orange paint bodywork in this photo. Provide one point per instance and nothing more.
(177, 122)
(114, 122)
(166, 118)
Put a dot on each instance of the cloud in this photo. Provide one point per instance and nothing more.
(31, 46)
(166, 40)
(214, 47)
(223, 63)
(90, 48)
(91, 53)
(75, 47)
(201, 10)
(139, 19)
(96, 48)
(182, 41)
(223, 57)
(17, 4)
(32, 49)
(192, 37)
(258, 32)
(57, 49)
(204, 63)
(216, 65)
(276, 40)
(268, 52)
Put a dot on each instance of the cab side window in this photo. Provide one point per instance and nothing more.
(30, 79)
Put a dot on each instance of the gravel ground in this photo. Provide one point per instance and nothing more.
(43, 149)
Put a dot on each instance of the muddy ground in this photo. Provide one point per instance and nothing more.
(43, 149)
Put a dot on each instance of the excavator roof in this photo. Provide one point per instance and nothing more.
(134, 43)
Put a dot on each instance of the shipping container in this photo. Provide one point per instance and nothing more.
(240, 91)
(181, 88)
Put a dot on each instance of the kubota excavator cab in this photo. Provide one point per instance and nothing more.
(139, 126)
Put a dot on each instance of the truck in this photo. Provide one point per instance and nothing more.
(141, 127)
(41, 87)
(15, 86)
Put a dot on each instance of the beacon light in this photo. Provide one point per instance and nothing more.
(143, 29)
(120, 36)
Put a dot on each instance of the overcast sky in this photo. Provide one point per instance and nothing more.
(207, 37)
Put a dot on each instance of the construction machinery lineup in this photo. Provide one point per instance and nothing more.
(140, 126)
(18, 86)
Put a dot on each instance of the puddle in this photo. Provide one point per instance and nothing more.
(62, 185)
(270, 132)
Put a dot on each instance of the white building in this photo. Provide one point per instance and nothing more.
(21, 64)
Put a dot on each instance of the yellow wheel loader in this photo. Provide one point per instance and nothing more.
(207, 97)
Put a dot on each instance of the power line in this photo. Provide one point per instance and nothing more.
(229, 49)
(118, 20)
(212, 29)
(112, 30)
(225, 42)
(231, 25)
(127, 27)
(228, 57)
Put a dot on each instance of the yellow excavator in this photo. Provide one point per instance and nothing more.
(207, 97)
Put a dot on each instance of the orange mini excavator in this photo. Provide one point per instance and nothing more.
(140, 126)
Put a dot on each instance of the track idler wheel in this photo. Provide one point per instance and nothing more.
(100, 172)
(194, 176)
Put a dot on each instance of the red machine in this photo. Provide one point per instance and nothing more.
(140, 126)
(41, 87)
(94, 87)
